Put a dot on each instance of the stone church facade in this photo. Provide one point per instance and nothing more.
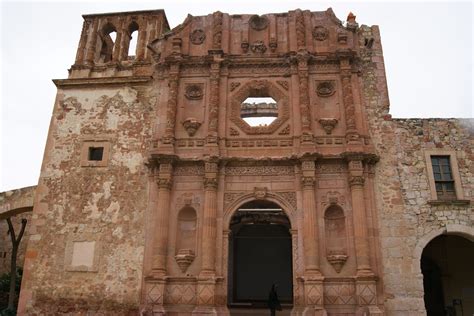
(157, 196)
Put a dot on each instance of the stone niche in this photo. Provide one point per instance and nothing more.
(336, 237)
(186, 238)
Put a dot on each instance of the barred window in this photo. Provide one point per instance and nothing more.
(443, 177)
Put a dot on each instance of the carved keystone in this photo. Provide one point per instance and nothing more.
(191, 125)
(328, 124)
(184, 258)
(337, 260)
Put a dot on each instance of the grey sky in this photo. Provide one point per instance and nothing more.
(427, 50)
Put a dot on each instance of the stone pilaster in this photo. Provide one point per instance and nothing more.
(160, 245)
(352, 134)
(305, 112)
(213, 125)
(141, 43)
(313, 280)
(173, 83)
(118, 46)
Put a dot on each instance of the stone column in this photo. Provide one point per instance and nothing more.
(313, 280)
(303, 91)
(352, 135)
(356, 182)
(173, 83)
(91, 47)
(160, 247)
(141, 42)
(118, 45)
(82, 42)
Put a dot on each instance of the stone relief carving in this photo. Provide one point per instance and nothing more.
(320, 33)
(328, 124)
(180, 293)
(341, 293)
(245, 46)
(284, 84)
(258, 47)
(285, 131)
(191, 125)
(337, 260)
(234, 85)
(333, 198)
(233, 132)
(325, 89)
(273, 44)
(260, 192)
(258, 23)
(342, 37)
(290, 197)
(197, 37)
(230, 197)
(330, 168)
(190, 170)
(194, 91)
(217, 30)
(300, 30)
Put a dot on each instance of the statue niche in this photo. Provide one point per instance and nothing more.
(186, 238)
(335, 230)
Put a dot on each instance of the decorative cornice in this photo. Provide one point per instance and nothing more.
(108, 81)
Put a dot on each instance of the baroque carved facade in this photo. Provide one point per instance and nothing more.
(149, 168)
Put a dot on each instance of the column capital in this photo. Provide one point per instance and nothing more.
(308, 182)
(210, 183)
(356, 181)
(164, 183)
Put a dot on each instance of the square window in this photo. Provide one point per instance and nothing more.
(96, 153)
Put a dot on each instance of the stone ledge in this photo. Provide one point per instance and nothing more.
(74, 83)
(449, 202)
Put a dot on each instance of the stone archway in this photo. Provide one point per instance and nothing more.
(448, 282)
(260, 254)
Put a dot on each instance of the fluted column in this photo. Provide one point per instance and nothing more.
(208, 249)
(160, 249)
(356, 182)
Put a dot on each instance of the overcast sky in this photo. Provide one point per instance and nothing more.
(427, 50)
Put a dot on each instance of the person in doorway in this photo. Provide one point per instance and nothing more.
(273, 302)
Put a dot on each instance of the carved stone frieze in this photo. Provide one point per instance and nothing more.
(258, 47)
(260, 143)
(194, 91)
(234, 85)
(331, 168)
(300, 30)
(197, 37)
(230, 197)
(285, 130)
(289, 197)
(328, 124)
(260, 170)
(285, 84)
(325, 89)
(333, 198)
(320, 33)
(258, 23)
(233, 132)
(217, 30)
(189, 170)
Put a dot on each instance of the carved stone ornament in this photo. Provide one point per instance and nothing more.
(356, 181)
(197, 37)
(273, 44)
(328, 124)
(258, 23)
(260, 192)
(184, 258)
(337, 260)
(320, 33)
(258, 47)
(342, 38)
(191, 125)
(245, 45)
(234, 85)
(194, 92)
(325, 89)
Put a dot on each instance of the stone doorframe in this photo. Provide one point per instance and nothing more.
(290, 212)
(450, 229)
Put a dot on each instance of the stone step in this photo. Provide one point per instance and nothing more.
(257, 312)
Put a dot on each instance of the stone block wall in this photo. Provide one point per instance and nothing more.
(86, 246)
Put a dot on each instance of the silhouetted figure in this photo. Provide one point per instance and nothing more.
(273, 302)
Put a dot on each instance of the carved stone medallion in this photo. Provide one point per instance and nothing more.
(197, 37)
(325, 89)
(191, 125)
(320, 33)
(258, 23)
(194, 92)
(258, 47)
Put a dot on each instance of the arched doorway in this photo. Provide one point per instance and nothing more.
(260, 254)
(448, 278)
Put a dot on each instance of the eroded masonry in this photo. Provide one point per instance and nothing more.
(187, 175)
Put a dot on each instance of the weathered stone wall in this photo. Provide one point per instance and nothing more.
(409, 217)
(87, 236)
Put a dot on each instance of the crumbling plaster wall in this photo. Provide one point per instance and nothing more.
(93, 205)
(407, 221)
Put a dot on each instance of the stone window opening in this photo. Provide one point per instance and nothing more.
(107, 37)
(96, 153)
(133, 30)
(443, 177)
(259, 110)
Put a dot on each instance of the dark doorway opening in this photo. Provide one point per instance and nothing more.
(260, 254)
(448, 278)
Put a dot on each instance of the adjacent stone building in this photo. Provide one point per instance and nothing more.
(159, 195)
